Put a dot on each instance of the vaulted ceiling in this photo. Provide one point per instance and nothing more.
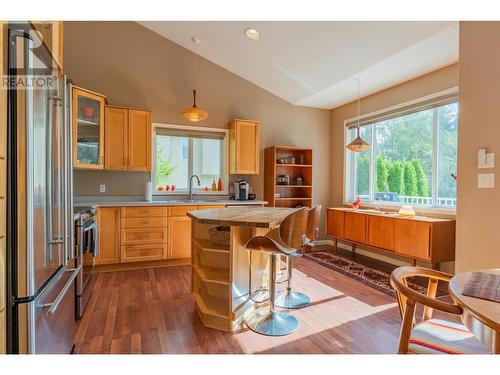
(317, 64)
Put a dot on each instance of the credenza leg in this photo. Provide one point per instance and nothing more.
(353, 249)
(496, 343)
(435, 266)
(413, 262)
(335, 245)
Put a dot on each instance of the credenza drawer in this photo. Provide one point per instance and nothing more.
(180, 210)
(138, 253)
(143, 211)
(143, 236)
(143, 222)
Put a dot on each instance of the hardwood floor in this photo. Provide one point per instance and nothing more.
(151, 311)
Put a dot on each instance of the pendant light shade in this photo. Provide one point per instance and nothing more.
(194, 113)
(358, 144)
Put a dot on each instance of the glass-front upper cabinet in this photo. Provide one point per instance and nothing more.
(88, 129)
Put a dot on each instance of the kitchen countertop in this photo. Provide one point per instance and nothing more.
(260, 217)
(121, 203)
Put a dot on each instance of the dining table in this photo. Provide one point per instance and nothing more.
(481, 316)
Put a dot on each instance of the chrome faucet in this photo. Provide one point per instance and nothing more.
(191, 186)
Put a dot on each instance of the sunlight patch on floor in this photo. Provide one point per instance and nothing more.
(335, 310)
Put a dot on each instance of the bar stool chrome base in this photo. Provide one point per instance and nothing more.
(293, 300)
(275, 323)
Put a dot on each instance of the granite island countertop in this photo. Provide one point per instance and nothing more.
(260, 217)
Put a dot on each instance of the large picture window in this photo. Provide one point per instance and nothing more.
(180, 152)
(411, 158)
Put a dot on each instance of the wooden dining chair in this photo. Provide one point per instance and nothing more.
(430, 336)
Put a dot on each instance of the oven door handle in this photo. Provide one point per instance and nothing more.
(54, 305)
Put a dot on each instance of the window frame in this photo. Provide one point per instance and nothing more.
(349, 167)
(196, 190)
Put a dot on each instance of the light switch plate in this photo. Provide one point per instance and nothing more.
(102, 188)
(486, 180)
(488, 162)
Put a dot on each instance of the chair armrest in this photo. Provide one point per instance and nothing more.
(402, 273)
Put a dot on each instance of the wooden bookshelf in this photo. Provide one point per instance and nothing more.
(292, 195)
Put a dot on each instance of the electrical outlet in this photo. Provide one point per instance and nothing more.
(102, 188)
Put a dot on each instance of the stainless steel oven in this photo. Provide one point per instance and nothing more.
(87, 249)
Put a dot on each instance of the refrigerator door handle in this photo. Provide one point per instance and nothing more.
(54, 305)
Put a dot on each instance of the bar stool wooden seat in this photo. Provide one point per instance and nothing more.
(430, 336)
(291, 299)
(284, 240)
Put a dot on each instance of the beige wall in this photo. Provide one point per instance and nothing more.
(433, 82)
(478, 211)
(134, 66)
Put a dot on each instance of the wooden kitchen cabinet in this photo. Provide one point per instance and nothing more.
(139, 140)
(244, 146)
(381, 232)
(108, 220)
(115, 138)
(127, 139)
(144, 234)
(179, 228)
(355, 227)
(88, 129)
(413, 239)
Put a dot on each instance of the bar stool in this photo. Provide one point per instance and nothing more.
(291, 299)
(285, 239)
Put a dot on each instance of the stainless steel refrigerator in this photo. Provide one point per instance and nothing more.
(40, 249)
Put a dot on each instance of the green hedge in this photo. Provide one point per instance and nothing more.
(402, 177)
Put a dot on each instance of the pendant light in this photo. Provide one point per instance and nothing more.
(194, 113)
(358, 144)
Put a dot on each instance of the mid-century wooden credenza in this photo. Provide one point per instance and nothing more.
(420, 238)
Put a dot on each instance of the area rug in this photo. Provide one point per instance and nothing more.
(372, 277)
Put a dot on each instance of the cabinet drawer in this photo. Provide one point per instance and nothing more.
(138, 253)
(355, 227)
(143, 211)
(413, 239)
(143, 236)
(143, 222)
(180, 210)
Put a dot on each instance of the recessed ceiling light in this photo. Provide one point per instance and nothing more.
(252, 34)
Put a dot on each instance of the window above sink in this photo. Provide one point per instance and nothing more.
(182, 151)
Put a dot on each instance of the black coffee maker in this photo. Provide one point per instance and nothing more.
(241, 189)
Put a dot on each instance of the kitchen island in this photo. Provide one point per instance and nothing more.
(221, 273)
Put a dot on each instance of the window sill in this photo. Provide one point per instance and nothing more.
(437, 211)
